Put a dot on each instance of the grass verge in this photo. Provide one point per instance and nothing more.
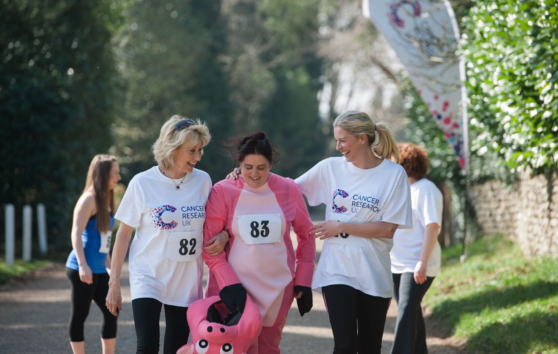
(20, 268)
(498, 301)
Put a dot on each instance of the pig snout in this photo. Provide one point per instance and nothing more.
(216, 332)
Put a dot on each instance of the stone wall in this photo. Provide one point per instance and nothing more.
(526, 211)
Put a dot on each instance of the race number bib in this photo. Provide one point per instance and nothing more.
(345, 238)
(260, 228)
(105, 241)
(183, 246)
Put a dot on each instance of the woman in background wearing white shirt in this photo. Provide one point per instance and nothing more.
(367, 198)
(166, 205)
(415, 257)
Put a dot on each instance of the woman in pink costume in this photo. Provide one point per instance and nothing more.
(258, 210)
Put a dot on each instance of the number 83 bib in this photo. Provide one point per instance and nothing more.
(184, 246)
(260, 228)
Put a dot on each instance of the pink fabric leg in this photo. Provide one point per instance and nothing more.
(270, 338)
(253, 348)
(288, 298)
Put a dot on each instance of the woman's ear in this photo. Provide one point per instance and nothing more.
(363, 139)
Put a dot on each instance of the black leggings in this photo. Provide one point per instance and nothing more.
(410, 331)
(357, 319)
(146, 319)
(82, 294)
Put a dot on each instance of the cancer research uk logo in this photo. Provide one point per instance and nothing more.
(342, 194)
(157, 217)
(166, 221)
(341, 202)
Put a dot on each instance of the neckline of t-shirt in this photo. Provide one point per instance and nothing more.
(169, 180)
(353, 168)
(261, 188)
(418, 183)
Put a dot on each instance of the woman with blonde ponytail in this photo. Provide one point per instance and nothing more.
(367, 198)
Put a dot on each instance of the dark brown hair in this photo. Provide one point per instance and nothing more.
(254, 144)
(98, 177)
(414, 160)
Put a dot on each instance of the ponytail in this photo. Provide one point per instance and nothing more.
(384, 144)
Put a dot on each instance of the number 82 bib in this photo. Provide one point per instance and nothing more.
(260, 228)
(184, 246)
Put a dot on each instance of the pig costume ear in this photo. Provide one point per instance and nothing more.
(187, 349)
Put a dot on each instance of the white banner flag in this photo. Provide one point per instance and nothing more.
(425, 36)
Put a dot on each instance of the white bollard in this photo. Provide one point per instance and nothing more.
(41, 221)
(27, 219)
(10, 234)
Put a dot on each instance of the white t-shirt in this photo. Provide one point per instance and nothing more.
(428, 204)
(355, 195)
(165, 262)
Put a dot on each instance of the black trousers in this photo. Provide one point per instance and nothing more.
(410, 331)
(357, 319)
(146, 320)
(82, 295)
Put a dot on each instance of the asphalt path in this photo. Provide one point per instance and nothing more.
(35, 310)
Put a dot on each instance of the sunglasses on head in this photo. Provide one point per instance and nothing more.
(183, 124)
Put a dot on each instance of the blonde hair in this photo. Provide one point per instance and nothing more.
(379, 135)
(171, 140)
(98, 176)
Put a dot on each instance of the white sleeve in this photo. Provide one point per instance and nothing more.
(131, 207)
(431, 205)
(312, 184)
(399, 208)
(207, 186)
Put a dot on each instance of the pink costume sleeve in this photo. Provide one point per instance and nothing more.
(306, 249)
(216, 217)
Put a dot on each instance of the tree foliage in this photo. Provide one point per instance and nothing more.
(57, 76)
(512, 68)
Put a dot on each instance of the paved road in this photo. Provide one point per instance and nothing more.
(34, 314)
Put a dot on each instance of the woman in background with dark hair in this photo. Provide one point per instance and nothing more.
(88, 265)
(258, 210)
(416, 254)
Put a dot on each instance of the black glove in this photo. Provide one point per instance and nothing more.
(306, 301)
(234, 296)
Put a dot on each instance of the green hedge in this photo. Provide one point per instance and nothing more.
(511, 49)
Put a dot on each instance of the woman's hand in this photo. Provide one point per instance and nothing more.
(298, 295)
(420, 272)
(114, 298)
(217, 243)
(234, 174)
(85, 274)
(325, 229)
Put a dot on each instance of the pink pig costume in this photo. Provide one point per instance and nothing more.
(215, 338)
(260, 253)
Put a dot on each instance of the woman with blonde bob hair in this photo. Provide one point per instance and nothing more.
(368, 199)
(88, 265)
(166, 205)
